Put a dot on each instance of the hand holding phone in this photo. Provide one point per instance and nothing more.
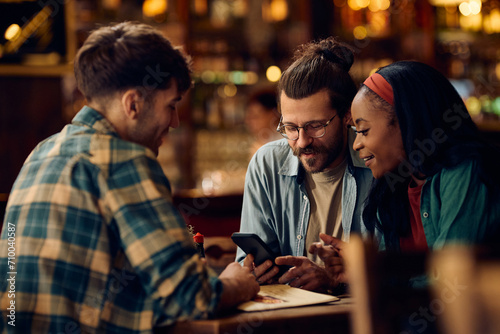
(251, 243)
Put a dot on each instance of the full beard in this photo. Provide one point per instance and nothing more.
(324, 156)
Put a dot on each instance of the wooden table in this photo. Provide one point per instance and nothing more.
(327, 318)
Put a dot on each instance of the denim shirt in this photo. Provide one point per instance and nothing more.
(276, 205)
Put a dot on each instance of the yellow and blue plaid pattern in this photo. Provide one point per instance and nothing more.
(99, 246)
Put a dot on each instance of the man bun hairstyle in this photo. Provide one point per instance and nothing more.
(319, 65)
(129, 55)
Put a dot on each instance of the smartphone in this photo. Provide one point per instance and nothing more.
(251, 243)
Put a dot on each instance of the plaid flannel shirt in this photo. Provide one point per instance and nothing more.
(99, 246)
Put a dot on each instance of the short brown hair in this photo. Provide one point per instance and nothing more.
(319, 65)
(129, 55)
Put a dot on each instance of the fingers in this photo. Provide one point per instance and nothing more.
(314, 247)
(289, 260)
(267, 277)
(248, 261)
(299, 264)
(334, 262)
(307, 280)
(239, 285)
(291, 275)
(309, 277)
(261, 269)
(260, 272)
(335, 242)
(325, 252)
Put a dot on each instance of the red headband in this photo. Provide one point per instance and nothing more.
(381, 87)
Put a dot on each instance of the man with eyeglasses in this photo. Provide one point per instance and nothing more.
(310, 184)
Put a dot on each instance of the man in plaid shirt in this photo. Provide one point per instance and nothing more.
(91, 241)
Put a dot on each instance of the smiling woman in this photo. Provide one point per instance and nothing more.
(436, 178)
(379, 142)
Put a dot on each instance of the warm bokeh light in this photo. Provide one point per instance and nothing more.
(471, 22)
(230, 90)
(274, 10)
(363, 3)
(12, 32)
(473, 105)
(358, 4)
(491, 22)
(279, 10)
(152, 8)
(240, 8)
(208, 77)
(273, 73)
(251, 78)
(464, 9)
(379, 23)
(200, 7)
(485, 103)
(475, 6)
(445, 2)
(376, 5)
(360, 32)
(220, 92)
(353, 4)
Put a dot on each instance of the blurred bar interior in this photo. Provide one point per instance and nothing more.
(238, 46)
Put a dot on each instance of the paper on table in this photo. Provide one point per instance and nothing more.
(276, 296)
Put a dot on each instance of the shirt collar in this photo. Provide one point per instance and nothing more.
(93, 119)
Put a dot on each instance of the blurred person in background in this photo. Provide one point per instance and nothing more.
(262, 117)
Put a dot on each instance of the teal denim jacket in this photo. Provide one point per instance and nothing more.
(456, 207)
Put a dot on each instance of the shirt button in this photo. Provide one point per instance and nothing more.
(305, 197)
(299, 237)
(425, 214)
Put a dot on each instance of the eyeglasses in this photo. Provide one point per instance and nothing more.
(314, 129)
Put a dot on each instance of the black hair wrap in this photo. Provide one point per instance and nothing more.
(332, 57)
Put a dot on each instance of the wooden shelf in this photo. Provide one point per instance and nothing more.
(35, 71)
(488, 125)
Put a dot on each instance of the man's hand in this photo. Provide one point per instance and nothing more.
(310, 276)
(305, 274)
(239, 285)
(336, 243)
(331, 253)
(261, 273)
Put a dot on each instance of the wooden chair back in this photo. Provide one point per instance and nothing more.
(379, 285)
(466, 284)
